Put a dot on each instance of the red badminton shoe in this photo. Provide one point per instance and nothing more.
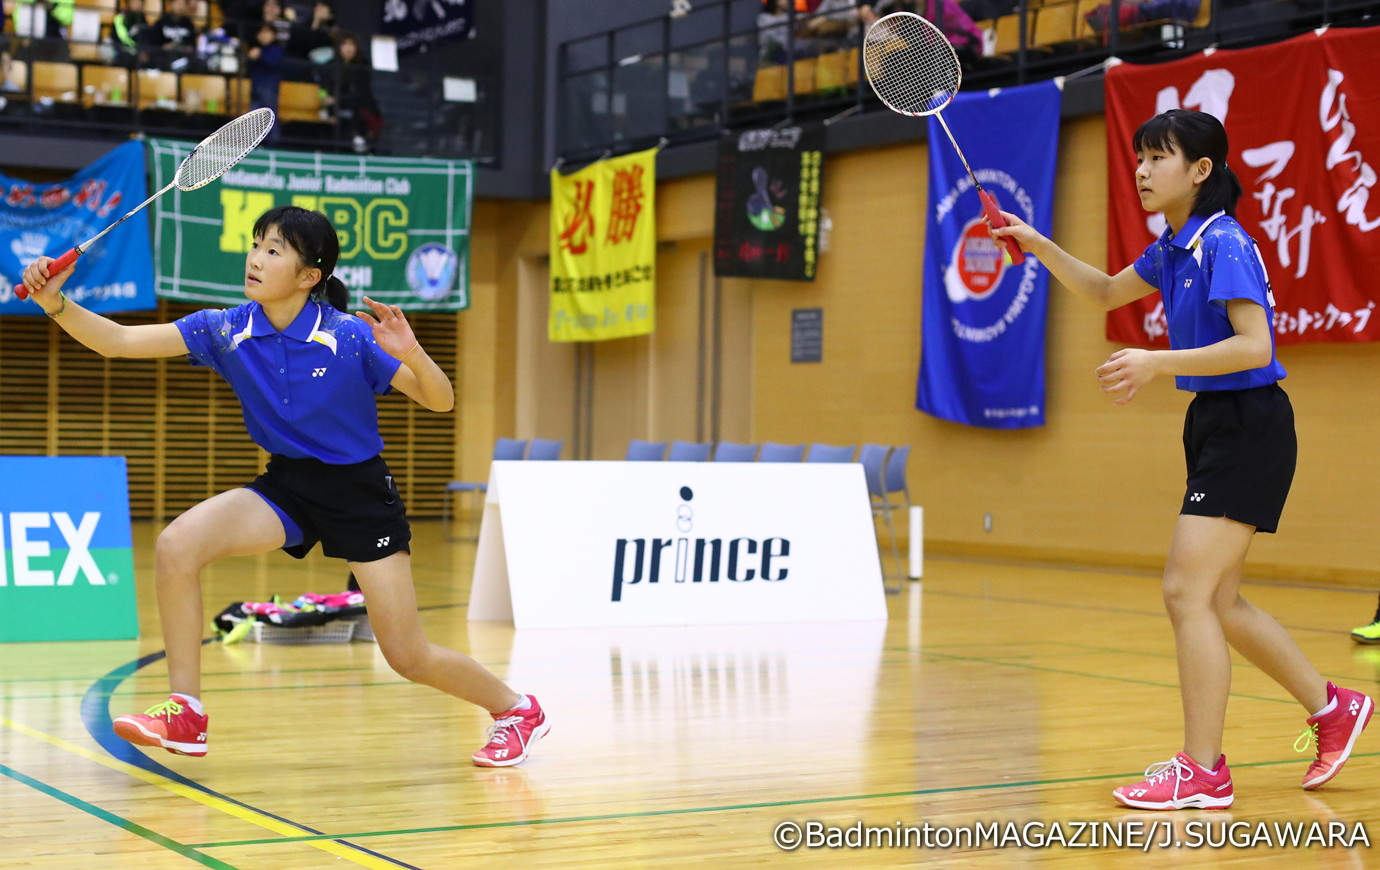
(1334, 729)
(1180, 784)
(512, 735)
(173, 725)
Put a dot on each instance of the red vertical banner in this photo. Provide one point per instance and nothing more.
(1303, 119)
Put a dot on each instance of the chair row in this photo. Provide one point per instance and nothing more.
(538, 449)
(96, 85)
(728, 451)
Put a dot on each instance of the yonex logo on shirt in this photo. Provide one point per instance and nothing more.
(316, 373)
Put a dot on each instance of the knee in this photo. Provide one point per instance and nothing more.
(1185, 595)
(178, 550)
(408, 661)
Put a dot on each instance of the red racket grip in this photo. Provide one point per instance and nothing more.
(54, 268)
(989, 208)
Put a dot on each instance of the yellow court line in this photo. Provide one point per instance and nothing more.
(253, 817)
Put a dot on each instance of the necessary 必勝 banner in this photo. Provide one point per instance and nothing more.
(38, 220)
(603, 250)
(1302, 145)
(982, 357)
(404, 225)
(766, 222)
(415, 25)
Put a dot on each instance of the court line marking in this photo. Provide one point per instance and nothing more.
(201, 796)
(118, 821)
(517, 823)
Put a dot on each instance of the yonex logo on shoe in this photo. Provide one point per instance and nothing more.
(501, 753)
(383, 542)
(1137, 792)
(1197, 496)
(1354, 708)
(317, 373)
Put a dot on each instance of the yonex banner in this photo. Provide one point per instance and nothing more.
(66, 564)
(404, 225)
(37, 220)
(603, 250)
(1305, 143)
(571, 544)
(766, 202)
(982, 356)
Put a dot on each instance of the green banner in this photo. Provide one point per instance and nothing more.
(404, 225)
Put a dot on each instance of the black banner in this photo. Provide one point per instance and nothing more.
(415, 23)
(766, 222)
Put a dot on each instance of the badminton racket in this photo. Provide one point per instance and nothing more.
(913, 69)
(208, 161)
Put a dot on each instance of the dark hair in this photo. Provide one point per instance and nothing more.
(1195, 135)
(314, 239)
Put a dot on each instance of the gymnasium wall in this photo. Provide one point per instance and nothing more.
(1099, 483)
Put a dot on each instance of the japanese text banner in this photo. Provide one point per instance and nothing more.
(1302, 145)
(44, 220)
(603, 250)
(766, 222)
(982, 351)
(403, 224)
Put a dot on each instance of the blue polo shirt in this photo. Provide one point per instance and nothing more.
(1207, 262)
(305, 392)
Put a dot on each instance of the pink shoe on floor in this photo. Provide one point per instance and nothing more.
(512, 735)
(1334, 729)
(173, 725)
(1180, 784)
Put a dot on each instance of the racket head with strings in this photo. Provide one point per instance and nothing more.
(210, 159)
(218, 152)
(910, 64)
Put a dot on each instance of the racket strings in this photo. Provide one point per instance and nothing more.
(223, 149)
(911, 64)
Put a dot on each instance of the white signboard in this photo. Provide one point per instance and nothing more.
(583, 544)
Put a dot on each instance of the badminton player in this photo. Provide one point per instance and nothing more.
(1239, 444)
(306, 374)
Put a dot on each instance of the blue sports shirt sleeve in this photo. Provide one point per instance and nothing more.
(1149, 265)
(379, 366)
(204, 331)
(1234, 270)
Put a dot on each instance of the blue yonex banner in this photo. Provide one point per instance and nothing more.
(47, 219)
(982, 357)
(66, 563)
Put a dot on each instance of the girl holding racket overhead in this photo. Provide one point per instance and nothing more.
(1239, 443)
(306, 374)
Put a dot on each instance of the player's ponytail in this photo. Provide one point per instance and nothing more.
(1195, 135)
(310, 234)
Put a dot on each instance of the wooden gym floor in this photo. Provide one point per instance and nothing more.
(996, 692)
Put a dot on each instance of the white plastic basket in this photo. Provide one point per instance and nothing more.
(338, 631)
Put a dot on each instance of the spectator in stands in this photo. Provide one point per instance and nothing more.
(773, 31)
(130, 34)
(308, 41)
(947, 15)
(829, 28)
(266, 73)
(55, 24)
(173, 38)
(349, 80)
(282, 24)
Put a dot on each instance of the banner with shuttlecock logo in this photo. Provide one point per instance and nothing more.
(603, 250)
(766, 200)
(403, 224)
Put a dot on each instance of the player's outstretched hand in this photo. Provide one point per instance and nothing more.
(391, 329)
(43, 288)
(1025, 235)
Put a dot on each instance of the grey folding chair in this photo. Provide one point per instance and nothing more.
(689, 451)
(830, 453)
(504, 448)
(645, 451)
(873, 458)
(727, 451)
(894, 479)
(781, 452)
(542, 449)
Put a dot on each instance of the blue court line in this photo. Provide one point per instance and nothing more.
(95, 716)
(122, 823)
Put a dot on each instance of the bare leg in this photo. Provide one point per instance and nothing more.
(1264, 642)
(1205, 552)
(392, 603)
(234, 523)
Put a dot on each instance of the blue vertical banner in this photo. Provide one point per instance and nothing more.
(46, 219)
(982, 357)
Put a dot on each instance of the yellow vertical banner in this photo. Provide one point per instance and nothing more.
(603, 250)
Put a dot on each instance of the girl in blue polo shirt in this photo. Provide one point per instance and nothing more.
(306, 374)
(1238, 440)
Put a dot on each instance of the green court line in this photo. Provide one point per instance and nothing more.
(117, 821)
(441, 829)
